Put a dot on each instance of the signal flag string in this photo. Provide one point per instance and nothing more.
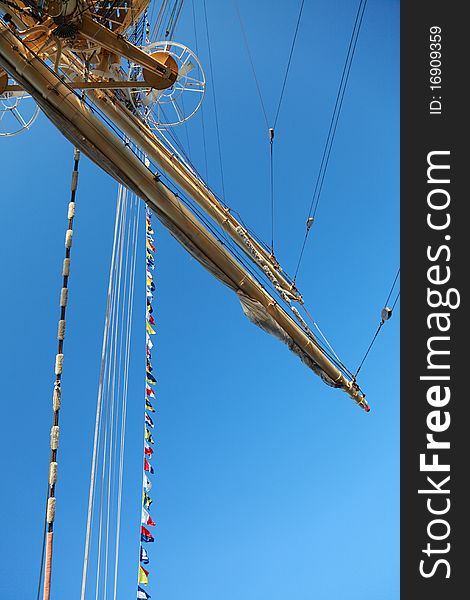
(146, 536)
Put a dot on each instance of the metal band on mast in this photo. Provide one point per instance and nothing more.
(51, 502)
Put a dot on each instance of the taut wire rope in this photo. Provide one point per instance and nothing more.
(332, 129)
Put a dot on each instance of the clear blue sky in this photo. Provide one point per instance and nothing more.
(269, 484)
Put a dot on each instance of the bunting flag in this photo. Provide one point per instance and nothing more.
(147, 466)
(143, 575)
(142, 594)
(144, 557)
(151, 379)
(145, 535)
(148, 451)
(149, 328)
(146, 520)
(146, 500)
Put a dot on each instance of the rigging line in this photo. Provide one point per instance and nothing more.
(339, 110)
(339, 96)
(340, 362)
(202, 106)
(99, 407)
(126, 381)
(369, 348)
(124, 343)
(41, 567)
(52, 479)
(271, 183)
(109, 414)
(116, 378)
(103, 446)
(170, 19)
(176, 13)
(258, 87)
(253, 70)
(289, 62)
(123, 355)
(214, 99)
(235, 251)
(391, 289)
(109, 362)
(159, 19)
(186, 131)
(333, 125)
(381, 324)
(179, 145)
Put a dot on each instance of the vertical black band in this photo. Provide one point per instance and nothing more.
(435, 261)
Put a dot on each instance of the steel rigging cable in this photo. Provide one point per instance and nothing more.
(263, 107)
(332, 129)
(215, 101)
(289, 62)
(386, 314)
(202, 105)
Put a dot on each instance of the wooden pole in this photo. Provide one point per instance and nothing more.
(48, 567)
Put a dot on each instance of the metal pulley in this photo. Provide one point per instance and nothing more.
(386, 313)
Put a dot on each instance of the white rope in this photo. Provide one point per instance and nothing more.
(116, 369)
(130, 304)
(98, 412)
(110, 424)
(109, 358)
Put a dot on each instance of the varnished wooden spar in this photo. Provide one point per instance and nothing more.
(159, 75)
(89, 133)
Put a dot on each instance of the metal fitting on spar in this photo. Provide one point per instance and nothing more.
(257, 256)
(287, 295)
